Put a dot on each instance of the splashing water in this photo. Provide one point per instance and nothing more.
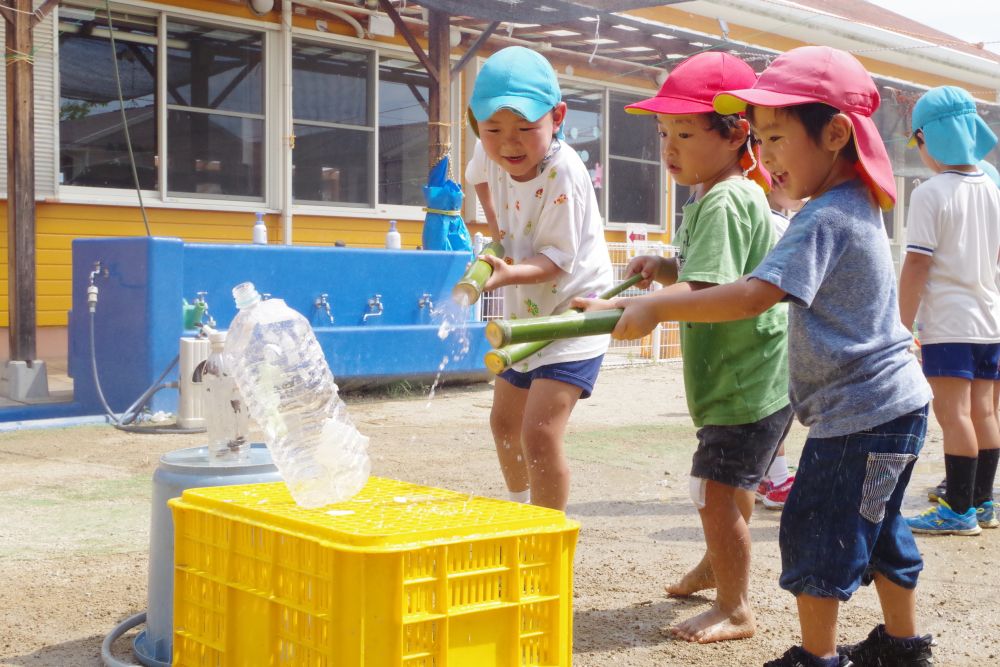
(453, 317)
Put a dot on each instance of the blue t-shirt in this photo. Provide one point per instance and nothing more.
(848, 359)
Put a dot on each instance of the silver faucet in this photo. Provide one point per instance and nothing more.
(425, 302)
(321, 303)
(206, 319)
(374, 308)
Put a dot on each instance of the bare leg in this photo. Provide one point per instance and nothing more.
(818, 620)
(983, 413)
(899, 607)
(701, 577)
(728, 540)
(505, 422)
(546, 413)
(952, 407)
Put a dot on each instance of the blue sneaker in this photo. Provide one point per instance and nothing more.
(986, 515)
(941, 520)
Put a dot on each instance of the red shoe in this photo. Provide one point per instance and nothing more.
(763, 489)
(776, 497)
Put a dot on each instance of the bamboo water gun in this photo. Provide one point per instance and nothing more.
(468, 289)
(517, 340)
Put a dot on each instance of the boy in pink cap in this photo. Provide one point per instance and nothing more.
(735, 374)
(852, 380)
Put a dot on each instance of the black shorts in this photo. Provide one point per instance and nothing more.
(739, 455)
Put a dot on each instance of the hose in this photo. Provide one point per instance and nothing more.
(120, 629)
(124, 423)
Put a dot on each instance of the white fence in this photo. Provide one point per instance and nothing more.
(663, 344)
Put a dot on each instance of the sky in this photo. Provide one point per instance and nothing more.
(972, 20)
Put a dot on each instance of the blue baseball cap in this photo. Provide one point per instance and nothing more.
(952, 130)
(514, 78)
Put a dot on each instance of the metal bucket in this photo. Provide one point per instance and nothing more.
(179, 470)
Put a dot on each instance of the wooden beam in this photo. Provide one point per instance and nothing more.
(404, 30)
(42, 11)
(474, 48)
(439, 118)
(20, 184)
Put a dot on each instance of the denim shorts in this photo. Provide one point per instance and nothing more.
(972, 361)
(582, 374)
(740, 455)
(841, 523)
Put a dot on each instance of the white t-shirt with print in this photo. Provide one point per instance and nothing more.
(555, 214)
(955, 218)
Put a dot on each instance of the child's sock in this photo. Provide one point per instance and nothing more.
(777, 473)
(986, 471)
(833, 661)
(960, 472)
(520, 496)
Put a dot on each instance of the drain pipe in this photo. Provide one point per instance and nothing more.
(333, 10)
(288, 126)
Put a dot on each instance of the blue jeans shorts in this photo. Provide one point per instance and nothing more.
(582, 374)
(972, 361)
(841, 523)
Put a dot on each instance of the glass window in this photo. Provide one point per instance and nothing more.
(403, 92)
(215, 121)
(92, 147)
(634, 175)
(583, 130)
(332, 160)
(682, 193)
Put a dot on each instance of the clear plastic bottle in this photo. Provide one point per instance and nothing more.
(227, 420)
(392, 239)
(289, 390)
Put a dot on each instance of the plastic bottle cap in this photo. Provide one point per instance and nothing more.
(392, 225)
(217, 337)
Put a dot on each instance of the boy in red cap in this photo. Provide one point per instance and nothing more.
(852, 380)
(735, 374)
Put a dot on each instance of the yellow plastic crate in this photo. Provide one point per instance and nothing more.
(400, 575)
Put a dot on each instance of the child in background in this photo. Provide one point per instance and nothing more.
(735, 374)
(853, 381)
(551, 229)
(949, 284)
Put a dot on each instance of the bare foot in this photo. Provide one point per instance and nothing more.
(700, 578)
(715, 625)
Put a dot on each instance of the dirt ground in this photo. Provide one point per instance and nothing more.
(74, 533)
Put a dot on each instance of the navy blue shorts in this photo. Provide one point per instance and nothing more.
(582, 374)
(841, 523)
(972, 361)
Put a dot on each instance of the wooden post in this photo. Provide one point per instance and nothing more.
(20, 182)
(439, 113)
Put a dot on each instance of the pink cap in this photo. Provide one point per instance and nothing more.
(821, 74)
(694, 82)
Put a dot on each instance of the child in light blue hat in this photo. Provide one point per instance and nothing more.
(948, 285)
(549, 223)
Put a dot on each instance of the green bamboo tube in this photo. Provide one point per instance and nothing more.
(572, 324)
(501, 359)
(467, 290)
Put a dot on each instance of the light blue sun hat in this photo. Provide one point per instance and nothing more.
(514, 78)
(951, 127)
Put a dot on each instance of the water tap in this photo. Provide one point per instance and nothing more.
(206, 319)
(321, 303)
(425, 302)
(374, 308)
(99, 270)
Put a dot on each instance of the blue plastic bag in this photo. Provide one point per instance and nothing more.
(444, 228)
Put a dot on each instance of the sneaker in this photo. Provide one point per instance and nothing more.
(881, 649)
(941, 520)
(938, 492)
(762, 490)
(799, 657)
(986, 515)
(776, 497)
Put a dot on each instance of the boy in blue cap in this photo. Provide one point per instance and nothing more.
(949, 285)
(551, 229)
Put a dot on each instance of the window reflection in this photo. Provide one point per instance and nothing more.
(634, 174)
(404, 89)
(583, 130)
(215, 155)
(92, 148)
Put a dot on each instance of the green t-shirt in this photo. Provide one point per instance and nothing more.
(734, 372)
